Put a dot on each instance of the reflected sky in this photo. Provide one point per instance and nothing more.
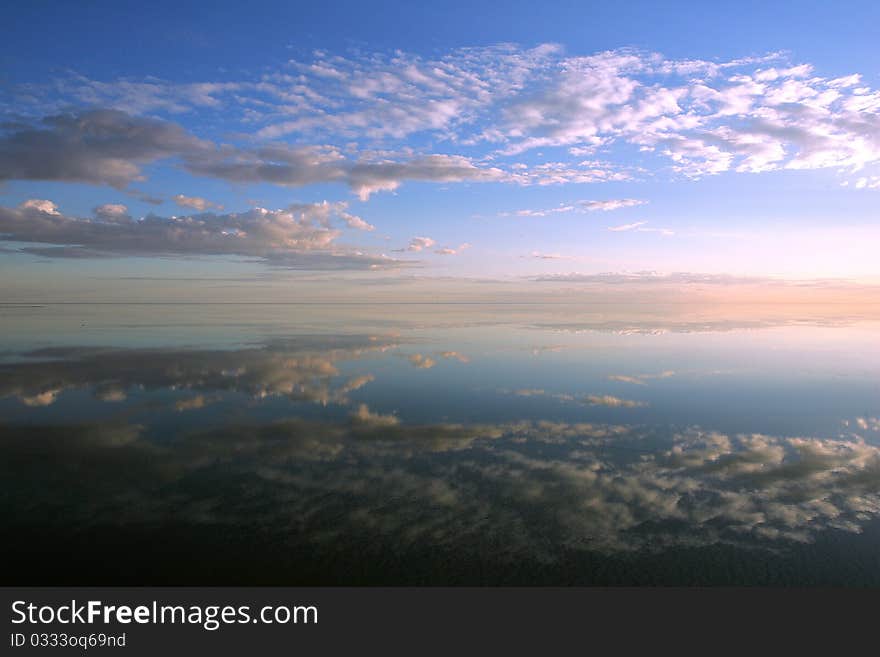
(438, 444)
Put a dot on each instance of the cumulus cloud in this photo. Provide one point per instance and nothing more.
(195, 203)
(419, 244)
(300, 236)
(112, 212)
(43, 206)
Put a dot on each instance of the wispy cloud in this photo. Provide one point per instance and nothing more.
(453, 251)
(640, 227)
(640, 379)
(578, 207)
(611, 204)
(612, 401)
(550, 256)
(625, 227)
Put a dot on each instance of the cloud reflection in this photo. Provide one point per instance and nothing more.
(594, 487)
(302, 369)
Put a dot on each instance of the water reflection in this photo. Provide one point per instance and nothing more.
(358, 459)
(298, 370)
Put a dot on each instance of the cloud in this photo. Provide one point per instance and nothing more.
(625, 227)
(666, 232)
(299, 236)
(640, 379)
(865, 423)
(750, 115)
(419, 244)
(580, 207)
(421, 361)
(613, 402)
(97, 146)
(373, 475)
(529, 392)
(639, 227)
(40, 205)
(450, 251)
(353, 221)
(612, 488)
(191, 404)
(363, 416)
(111, 147)
(111, 212)
(865, 182)
(562, 209)
(651, 277)
(195, 203)
(304, 369)
(297, 166)
(461, 358)
(610, 204)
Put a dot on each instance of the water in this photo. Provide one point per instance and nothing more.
(438, 444)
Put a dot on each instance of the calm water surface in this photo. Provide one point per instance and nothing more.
(437, 444)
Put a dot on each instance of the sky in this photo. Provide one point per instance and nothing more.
(342, 150)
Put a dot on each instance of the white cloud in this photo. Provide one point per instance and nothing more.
(40, 205)
(353, 221)
(639, 227)
(299, 236)
(748, 115)
(625, 227)
(112, 212)
(195, 203)
(579, 206)
(453, 251)
(611, 204)
(419, 244)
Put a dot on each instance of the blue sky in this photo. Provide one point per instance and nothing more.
(324, 143)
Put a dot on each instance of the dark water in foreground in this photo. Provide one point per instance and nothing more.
(436, 445)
